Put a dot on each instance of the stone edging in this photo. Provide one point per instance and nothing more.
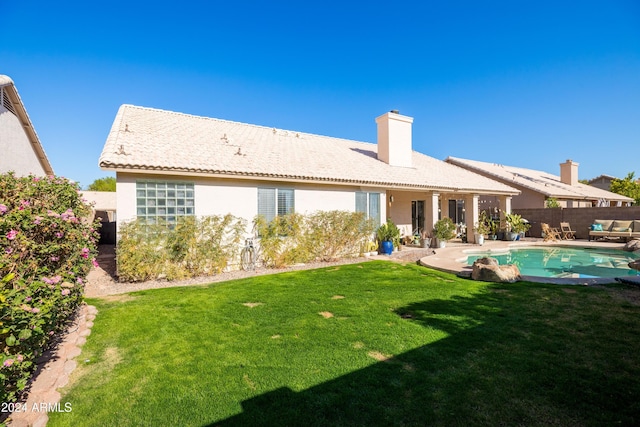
(53, 370)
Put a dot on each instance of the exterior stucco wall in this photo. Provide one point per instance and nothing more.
(17, 153)
(240, 197)
(527, 199)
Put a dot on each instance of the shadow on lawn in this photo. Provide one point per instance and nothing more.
(512, 357)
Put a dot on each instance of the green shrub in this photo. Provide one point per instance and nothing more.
(337, 234)
(320, 236)
(282, 240)
(47, 247)
(192, 247)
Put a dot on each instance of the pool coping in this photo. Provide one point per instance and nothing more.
(447, 259)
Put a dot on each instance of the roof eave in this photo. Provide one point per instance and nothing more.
(107, 166)
(10, 88)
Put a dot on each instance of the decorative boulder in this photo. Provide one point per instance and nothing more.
(632, 245)
(488, 270)
(635, 265)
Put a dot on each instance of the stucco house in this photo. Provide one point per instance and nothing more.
(20, 146)
(603, 182)
(169, 164)
(537, 186)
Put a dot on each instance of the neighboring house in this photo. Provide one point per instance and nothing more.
(104, 206)
(103, 203)
(603, 182)
(169, 164)
(538, 186)
(19, 144)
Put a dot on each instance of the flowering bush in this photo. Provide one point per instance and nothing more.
(47, 248)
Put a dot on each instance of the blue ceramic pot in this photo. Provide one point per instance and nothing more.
(387, 247)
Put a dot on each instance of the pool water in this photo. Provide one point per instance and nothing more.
(565, 262)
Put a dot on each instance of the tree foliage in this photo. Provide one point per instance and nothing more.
(627, 187)
(103, 184)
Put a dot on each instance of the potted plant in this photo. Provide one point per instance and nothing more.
(444, 230)
(493, 228)
(425, 240)
(372, 248)
(387, 234)
(515, 225)
(480, 230)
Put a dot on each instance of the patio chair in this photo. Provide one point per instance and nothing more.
(550, 233)
(567, 232)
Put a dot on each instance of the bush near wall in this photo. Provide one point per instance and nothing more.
(47, 247)
(192, 247)
(320, 236)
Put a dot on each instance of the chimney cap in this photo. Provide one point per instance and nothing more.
(395, 111)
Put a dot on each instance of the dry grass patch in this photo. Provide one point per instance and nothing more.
(380, 357)
(275, 337)
(110, 358)
(408, 367)
(249, 382)
(326, 314)
(358, 345)
(251, 304)
(119, 298)
(337, 297)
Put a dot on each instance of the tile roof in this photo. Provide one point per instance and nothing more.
(539, 181)
(145, 139)
(15, 105)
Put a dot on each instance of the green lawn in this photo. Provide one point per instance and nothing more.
(377, 343)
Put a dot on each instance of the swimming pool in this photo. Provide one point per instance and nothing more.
(564, 261)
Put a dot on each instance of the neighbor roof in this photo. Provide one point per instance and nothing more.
(151, 140)
(16, 106)
(539, 181)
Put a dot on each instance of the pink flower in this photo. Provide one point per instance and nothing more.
(37, 220)
(85, 253)
(24, 204)
(59, 234)
(79, 280)
(35, 310)
(55, 258)
(20, 358)
(3, 209)
(52, 281)
(9, 251)
(36, 179)
(27, 299)
(65, 292)
(7, 363)
(12, 234)
(95, 263)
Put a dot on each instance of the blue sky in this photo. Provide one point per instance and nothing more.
(521, 83)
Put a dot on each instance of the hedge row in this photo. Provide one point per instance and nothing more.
(192, 247)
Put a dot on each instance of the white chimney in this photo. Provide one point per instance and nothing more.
(569, 172)
(394, 139)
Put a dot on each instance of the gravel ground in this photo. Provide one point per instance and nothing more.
(101, 281)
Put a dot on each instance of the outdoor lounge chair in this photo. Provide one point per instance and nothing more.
(549, 232)
(567, 232)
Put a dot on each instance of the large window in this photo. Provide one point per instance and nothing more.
(166, 200)
(274, 202)
(369, 203)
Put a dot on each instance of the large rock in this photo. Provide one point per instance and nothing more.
(487, 270)
(635, 265)
(632, 245)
